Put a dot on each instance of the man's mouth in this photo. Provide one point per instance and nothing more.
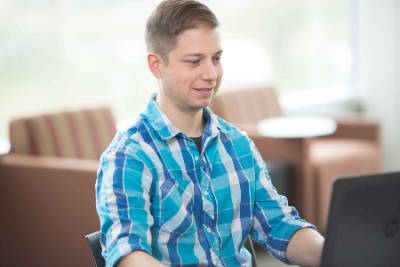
(203, 89)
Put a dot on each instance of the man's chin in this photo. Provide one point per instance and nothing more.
(200, 105)
(205, 103)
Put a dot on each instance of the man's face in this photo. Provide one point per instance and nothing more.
(193, 72)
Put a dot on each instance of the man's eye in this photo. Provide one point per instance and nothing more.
(194, 62)
(217, 59)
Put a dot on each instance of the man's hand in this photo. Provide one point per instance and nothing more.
(139, 259)
(305, 248)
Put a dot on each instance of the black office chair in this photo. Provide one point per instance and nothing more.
(94, 243)
(250, 247)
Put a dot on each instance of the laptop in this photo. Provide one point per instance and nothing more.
(364, 222)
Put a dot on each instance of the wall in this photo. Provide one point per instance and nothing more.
(378, 73)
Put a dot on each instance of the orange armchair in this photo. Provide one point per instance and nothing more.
(353, 149)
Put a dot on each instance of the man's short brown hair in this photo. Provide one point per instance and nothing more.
(170, 18)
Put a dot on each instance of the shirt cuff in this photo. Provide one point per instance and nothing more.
(119, 251)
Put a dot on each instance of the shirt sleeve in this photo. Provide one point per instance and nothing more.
(275, 222)
(123, 205)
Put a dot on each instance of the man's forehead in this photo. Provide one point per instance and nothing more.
(198, 41)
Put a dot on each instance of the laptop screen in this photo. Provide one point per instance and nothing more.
(364, 222)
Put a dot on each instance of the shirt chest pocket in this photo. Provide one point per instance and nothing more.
(176, 204)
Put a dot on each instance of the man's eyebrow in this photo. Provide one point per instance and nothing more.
(202, 55)
(194, 55)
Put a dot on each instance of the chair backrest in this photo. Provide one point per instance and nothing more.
(94, 243)
(246, 105)
(75, 134)
(95, 246)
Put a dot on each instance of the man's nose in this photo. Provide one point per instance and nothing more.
(210, 71)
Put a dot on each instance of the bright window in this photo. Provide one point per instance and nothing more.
(68, 53)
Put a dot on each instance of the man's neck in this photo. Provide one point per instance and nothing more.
(189, 122)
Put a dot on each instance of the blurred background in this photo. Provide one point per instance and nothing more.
(336, 55)
(332, 57)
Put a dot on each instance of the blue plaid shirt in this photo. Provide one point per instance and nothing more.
(157, 193)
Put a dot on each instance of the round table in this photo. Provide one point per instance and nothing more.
(296, 126)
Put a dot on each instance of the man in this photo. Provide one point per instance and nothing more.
(181, 186)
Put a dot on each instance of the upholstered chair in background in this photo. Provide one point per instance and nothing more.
(353, 149)
(80, 134)
(47, 187)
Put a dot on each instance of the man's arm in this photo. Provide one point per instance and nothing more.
(139, 259)
(276, 223)
(123, 204)
(305, 248)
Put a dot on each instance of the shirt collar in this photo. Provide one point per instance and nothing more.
(166, 130)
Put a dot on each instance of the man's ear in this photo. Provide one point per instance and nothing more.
(154, 62)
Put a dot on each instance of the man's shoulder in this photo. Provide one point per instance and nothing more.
(229, 128)
(239, 138)
(128, 139)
